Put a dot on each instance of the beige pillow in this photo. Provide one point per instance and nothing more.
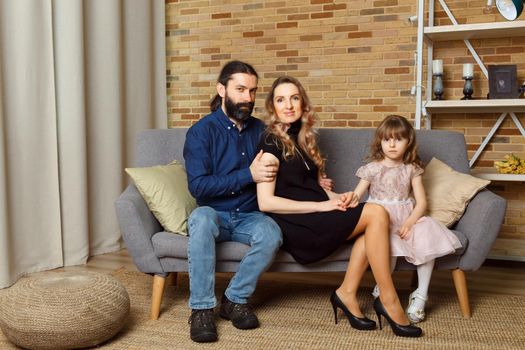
(448, 192)
(165, 190)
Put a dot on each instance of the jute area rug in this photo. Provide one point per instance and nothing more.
(299, 316)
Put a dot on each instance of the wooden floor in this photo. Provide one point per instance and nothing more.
(495, 276)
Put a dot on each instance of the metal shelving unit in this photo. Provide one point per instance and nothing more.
(425, 106)
(475, 31)
(493, 175)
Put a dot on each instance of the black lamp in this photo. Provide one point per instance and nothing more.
(510, 9)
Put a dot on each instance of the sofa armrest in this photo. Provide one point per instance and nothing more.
(138, 225)
(481, 223)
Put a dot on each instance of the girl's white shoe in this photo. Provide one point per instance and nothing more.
(375, 292)
(416, 307)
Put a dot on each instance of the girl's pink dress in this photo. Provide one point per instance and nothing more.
(391, 187)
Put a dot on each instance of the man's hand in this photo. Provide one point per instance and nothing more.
(264, 170)
(326, 183)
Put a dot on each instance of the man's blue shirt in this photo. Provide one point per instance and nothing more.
(217, 157)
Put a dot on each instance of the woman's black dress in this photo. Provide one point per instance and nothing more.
(307, 237)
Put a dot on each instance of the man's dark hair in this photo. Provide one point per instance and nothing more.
(227, 71)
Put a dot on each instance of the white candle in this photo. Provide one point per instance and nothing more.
(437, 66)
(468, 70)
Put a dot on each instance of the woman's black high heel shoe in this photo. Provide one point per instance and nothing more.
(356, 322)
(399, 330)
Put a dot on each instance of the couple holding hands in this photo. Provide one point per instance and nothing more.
(265, 186)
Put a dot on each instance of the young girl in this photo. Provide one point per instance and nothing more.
(395, 172)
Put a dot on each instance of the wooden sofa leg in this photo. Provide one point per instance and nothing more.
(156, 296)
(460, 282)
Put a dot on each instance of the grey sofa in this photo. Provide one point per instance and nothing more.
(161, 253)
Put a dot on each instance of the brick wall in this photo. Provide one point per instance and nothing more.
(355, 59)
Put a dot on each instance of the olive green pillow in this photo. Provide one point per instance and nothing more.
(448, 191)
(165, 190)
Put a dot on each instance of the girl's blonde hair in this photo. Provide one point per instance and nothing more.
(307, 138)
(395, 126)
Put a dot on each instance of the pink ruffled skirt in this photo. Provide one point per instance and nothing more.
(428, 239)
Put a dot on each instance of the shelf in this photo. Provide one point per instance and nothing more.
(475, 31)
(476, 106)
(492, 174)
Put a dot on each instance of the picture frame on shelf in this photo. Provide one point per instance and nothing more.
(503, 81)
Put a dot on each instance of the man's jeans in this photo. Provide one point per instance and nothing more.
(208, 227)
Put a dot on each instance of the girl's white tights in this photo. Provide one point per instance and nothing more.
(424, 273)
(416, 306)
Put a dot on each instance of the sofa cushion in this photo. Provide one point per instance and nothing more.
(167, 244)
(448, 191)
(165, 191)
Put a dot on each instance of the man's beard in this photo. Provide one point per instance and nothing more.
(238, 111)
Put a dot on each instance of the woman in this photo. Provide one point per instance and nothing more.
(314, 221)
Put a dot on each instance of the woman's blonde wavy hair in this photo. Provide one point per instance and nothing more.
(395, 126)
(307, 138)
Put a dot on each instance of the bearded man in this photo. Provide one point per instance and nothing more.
(222, 170)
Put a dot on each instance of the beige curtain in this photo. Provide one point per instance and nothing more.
(78, 80)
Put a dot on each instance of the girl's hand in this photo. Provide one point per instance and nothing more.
(406, 229)
(349, 199)
(355, 200)
(330, 205)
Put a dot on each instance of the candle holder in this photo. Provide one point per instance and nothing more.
(467, 89)
(438, 86)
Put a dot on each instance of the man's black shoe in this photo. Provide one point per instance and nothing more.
(241, 315)
(202, 326)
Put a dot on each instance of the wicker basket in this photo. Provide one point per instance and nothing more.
(63, 310)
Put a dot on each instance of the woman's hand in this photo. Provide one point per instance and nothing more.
(330, 205)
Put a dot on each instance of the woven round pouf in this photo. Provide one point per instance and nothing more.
(63, 310)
